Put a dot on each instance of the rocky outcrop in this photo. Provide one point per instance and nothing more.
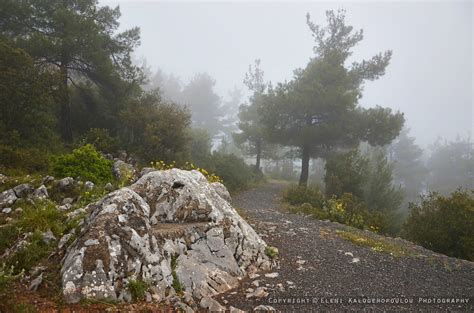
(171, 229)
(122, 170)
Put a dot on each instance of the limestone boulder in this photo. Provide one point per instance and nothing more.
(171, 228)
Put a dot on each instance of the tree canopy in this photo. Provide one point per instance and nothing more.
(318, 110)
(76, 36)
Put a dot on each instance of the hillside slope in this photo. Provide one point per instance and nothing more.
(322, 261)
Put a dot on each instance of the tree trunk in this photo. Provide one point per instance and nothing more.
(259, 154)
(304, 166)
(65, 112)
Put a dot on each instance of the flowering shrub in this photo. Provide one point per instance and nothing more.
(346, 209)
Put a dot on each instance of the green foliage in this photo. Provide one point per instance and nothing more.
(251, 135)
(7, 276)
(377, 244)
(317, 111)
(100, 138)
(26, 111)
(203, 102)
(451, 166)
(380, 195)
(26, 100)
(297, 195)
(408, 166)
(137, 288)
(346, 173)
(8, 234)
(78, 38)
(84, 162)
(271, 252)
(42, 216)
(154, 130)
(29, 159)
(29, 255)
(444, 224)
(347, 209)
(235, 173)
(369, 178)
(177, 286)
(200, 147)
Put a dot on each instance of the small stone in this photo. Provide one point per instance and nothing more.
(89, 185)
(148, 298)
(48, 237)
(300, 262)
(272, 275)
(235, 310)
(265, 308)
(280, 287)
(19, 210)
(109, 187)
(183, 307)
(253, 276)
(256, 283)
(23, 190)
(35, 283)
(64, 207)
(67, 201)
(91, 242)
(211, 305)
(258, 293)
(7, 198)
(349, 254)
(47, 179)
(65, 183)
(41, 192)
(64, 239)
(7, 210)
(355, 260)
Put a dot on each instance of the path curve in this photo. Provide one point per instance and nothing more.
(316, 265)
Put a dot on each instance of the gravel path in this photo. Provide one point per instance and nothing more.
(323, 271)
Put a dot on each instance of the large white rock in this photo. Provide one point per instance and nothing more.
(170, 226)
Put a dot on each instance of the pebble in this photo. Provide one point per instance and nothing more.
(272, 275)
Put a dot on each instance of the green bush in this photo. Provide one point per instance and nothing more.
(137, 288)
(271, 252)
(84, 162)
(235, 173)
(297, 195)
(347, 209)
(443, 224)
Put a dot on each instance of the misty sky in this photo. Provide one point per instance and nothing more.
(430, 77)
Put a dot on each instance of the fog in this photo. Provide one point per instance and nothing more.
(429, 78)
